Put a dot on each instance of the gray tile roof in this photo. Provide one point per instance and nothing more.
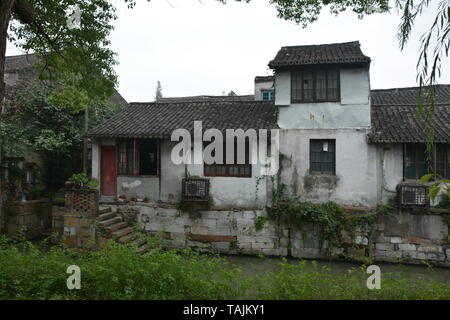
(20, 62)
(334, 53)
(21, 66)
(264, 78)
(394, 118)
(204, 98)
(158, 120)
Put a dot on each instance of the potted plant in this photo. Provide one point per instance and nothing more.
(82, 181)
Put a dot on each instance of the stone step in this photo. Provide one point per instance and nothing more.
(122, 232)
(128, 238)
(117, 226)
(102, 210)
(109, 222)
(138, 242)
(142, 249)
(106, 216)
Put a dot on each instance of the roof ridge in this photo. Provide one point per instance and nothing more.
(324, 44)
(407, 104)
(406, 88)
(202, 101)
(21, 55)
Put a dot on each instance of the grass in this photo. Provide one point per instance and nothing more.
(117, 272)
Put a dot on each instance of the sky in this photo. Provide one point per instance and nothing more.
(202, 47)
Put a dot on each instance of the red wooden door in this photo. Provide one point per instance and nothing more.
(108, 171)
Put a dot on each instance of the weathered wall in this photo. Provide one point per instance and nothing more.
(355, 182)
(390, 170)
(251, 191)
(262, 85)
(27, 219)
(404, 236)
(352, 111)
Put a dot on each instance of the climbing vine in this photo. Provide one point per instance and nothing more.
(334, 222)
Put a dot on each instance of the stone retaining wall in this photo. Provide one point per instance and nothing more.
(27, 219)
(404, 236)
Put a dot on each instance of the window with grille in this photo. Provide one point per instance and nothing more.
(137, 157)
(315, 85)
(322, 156)
(267, 95)
(417, 163)
(230, 170)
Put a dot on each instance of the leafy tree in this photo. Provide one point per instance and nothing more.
(33, 119)
(78, 58)
(158, 94)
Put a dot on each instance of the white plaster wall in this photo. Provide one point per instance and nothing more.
(139, 187)
(96, 159)
(234, 191)
(225, 191)
(171, 174)
(352, 111)
(283, 88)
(355, 86)
(356, 179)
(390, 163)
(259, 86)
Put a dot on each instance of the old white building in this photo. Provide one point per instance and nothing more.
(339, 140)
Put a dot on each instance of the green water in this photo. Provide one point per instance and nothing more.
(255, 265)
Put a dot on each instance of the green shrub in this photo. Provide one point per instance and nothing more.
(117, 272)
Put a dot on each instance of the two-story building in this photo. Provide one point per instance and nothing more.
(338, 139)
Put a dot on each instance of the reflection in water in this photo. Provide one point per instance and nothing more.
(254, 265)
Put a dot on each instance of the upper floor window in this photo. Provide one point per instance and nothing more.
(266, 95)
(417, 164)
(315, 85)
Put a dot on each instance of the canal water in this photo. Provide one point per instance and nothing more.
(255, 265)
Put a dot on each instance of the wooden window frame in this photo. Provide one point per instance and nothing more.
(299, 75)
(214, 167)
(322, 172)
(133, 170)
(445, 160)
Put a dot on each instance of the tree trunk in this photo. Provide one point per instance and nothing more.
(6, 7)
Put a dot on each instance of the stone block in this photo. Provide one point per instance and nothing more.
(175, 228)
(406, 247)
(434, 256)
(70, 241)
(220, 231)
(86, 222)
(263, 245)
(429, 248)
(393, 254)
(383, 246)
(361, 240)
(306, 253)
(199, 229)
(396, 240)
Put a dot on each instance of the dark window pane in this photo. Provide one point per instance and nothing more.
(322, 156)
(321, 85)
